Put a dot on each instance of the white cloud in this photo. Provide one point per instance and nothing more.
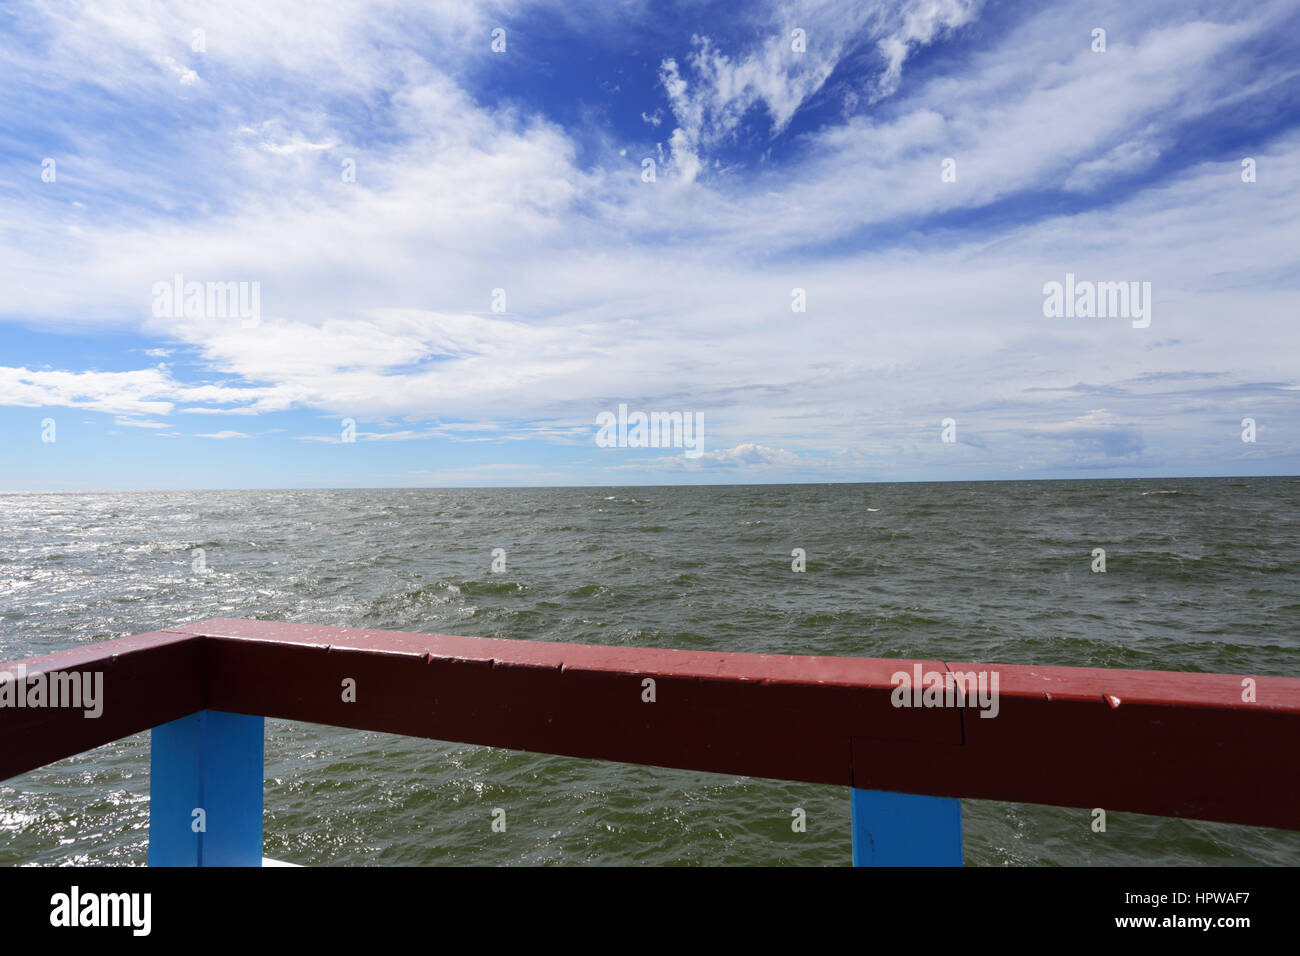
(748, 454)
(186, 76)
(713, 91)
(1133, 156)
(144, 392)
(918, 22)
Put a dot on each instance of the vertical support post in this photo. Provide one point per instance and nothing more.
(205, 791)
(905, 829)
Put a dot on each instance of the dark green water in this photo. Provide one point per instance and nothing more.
(1201, 576)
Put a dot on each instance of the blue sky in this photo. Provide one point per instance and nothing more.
(783, 161)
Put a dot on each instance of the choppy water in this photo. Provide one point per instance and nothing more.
(1201, 576)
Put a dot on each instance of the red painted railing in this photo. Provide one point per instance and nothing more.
(1207, 746)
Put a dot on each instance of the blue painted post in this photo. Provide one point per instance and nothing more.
(205, 791)
(904, 829)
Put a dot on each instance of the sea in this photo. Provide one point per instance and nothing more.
(1200, 575)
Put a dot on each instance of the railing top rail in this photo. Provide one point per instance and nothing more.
(1210, 746)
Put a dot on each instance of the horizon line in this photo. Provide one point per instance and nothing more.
(733, 484)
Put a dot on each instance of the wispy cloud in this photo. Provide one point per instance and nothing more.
(816, 170)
